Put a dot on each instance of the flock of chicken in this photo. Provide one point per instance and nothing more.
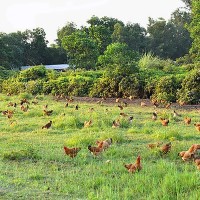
(191, 154)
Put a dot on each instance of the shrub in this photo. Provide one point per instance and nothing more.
(166, 89)
(33, 73)
(190, 91)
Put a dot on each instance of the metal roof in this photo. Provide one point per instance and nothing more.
(55, 67)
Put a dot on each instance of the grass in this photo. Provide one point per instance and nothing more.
(33, 164)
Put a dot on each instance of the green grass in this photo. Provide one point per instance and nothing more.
(33, 164)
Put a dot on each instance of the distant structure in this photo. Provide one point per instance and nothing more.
(59, 67)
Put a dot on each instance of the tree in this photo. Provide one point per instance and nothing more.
(12, 49)
(82, 50)
(119, 59)
(169, 39)
(67, 30)
(194, 29)
(101, 30)
(38, 46)
(188, 3)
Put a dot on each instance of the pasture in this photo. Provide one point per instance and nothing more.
(33, 164)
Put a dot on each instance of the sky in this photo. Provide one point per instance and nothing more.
(51, 15)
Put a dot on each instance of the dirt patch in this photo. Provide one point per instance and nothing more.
(129, 102)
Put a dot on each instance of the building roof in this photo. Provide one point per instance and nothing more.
(55, 67)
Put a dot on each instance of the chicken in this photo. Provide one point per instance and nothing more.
(71, 152)
(48, 112)
(24, 108)
(197, 162)
(117, 100)
(125, 103)
(187, 120)
(123, 114)
(197, 126)
(45, 106)
(76, 107)
(131, 98)
(154, 145)
(87, 123)
(35, 102)
(131, 119)
(91, 109)
(176, 114)
(187, 155)
(10, 104)
(143, 104)
(166, 148)
(106, 143)
(5, 112)
(134, 167)
(155, 103)
(116, 124)
(120, 107)
(190, 153)
(168, 105)
(66, 105)
(24, 101)
(164, 122)
(48, 125)
(96, 150)
(154, 116)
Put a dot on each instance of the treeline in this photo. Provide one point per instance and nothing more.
(81, 47)
(149, 77)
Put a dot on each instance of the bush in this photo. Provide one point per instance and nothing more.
(149, 61)
(190, 91)
(33, 73)
(166, 89)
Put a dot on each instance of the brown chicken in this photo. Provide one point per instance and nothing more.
(24, 108)
(187, 120)
(134, 167)
(96, 150)
(164, 121)
(116, 124)
(24, 101)
(168, 105)
(87, 123)
(143, 104)
(197, 162)
(45, 106)
(71, 152)
(48, 112)
(106, 143)
(123, 114)
(165, 148)
(155, 145)
(5, 112)
(48, 125)
(120, 107)
(197, 126)
(187, 155)
(117, 100)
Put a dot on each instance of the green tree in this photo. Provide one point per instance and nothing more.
(82, 50)
(194, 29)
(67, 30)
(169, 39)
(101, 30)
(119, 59)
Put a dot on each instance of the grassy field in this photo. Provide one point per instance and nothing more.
(33, 164)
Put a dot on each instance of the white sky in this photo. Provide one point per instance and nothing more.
(19, 15)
